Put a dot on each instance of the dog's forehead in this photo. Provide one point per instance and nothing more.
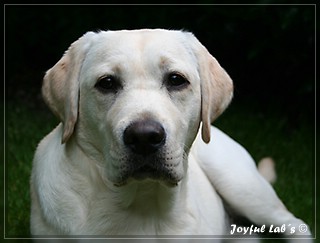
(155, 43)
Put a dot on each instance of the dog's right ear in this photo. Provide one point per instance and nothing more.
(216, 87)
(60, 88)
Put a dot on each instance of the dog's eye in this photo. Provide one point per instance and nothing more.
(107, 84)
(176, 81)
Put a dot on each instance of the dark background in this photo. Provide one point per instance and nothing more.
(268, 50)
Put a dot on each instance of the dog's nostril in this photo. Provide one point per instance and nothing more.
(144, 137)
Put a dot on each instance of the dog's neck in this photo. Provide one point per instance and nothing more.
(144, 204)
(149, 196)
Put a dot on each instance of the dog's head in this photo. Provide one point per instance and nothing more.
(134, 100)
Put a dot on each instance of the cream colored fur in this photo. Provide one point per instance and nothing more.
(78, 184)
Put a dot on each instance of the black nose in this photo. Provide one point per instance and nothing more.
(144, 137)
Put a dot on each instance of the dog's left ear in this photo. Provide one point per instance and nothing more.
(216, 87)
(60, 88)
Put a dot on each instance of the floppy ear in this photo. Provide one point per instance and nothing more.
(60, 88)
(216, 88)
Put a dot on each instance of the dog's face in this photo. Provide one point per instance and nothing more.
(139, 105)
(134, 100)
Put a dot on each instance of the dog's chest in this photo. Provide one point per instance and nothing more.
(136, 221)
(155, 216)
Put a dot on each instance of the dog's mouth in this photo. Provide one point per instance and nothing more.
(162, 172)
(145, 172)
(154, 173)
(165, 173)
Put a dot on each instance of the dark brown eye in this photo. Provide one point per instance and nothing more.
(175, 81)
(107, 84)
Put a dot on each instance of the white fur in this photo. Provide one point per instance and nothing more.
(77, 186)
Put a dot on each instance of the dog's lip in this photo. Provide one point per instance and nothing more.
(145, 171)
(157, 173)
(164, 169)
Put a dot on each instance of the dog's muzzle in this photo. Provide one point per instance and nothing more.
(145, 141)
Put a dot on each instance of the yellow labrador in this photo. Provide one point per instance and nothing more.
(127, 158)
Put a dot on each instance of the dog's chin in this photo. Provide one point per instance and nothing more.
(167, 183)
(166, 176)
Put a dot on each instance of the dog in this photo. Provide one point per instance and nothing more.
(135, 152)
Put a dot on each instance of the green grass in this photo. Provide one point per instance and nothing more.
(25, 127)
(263, 134)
